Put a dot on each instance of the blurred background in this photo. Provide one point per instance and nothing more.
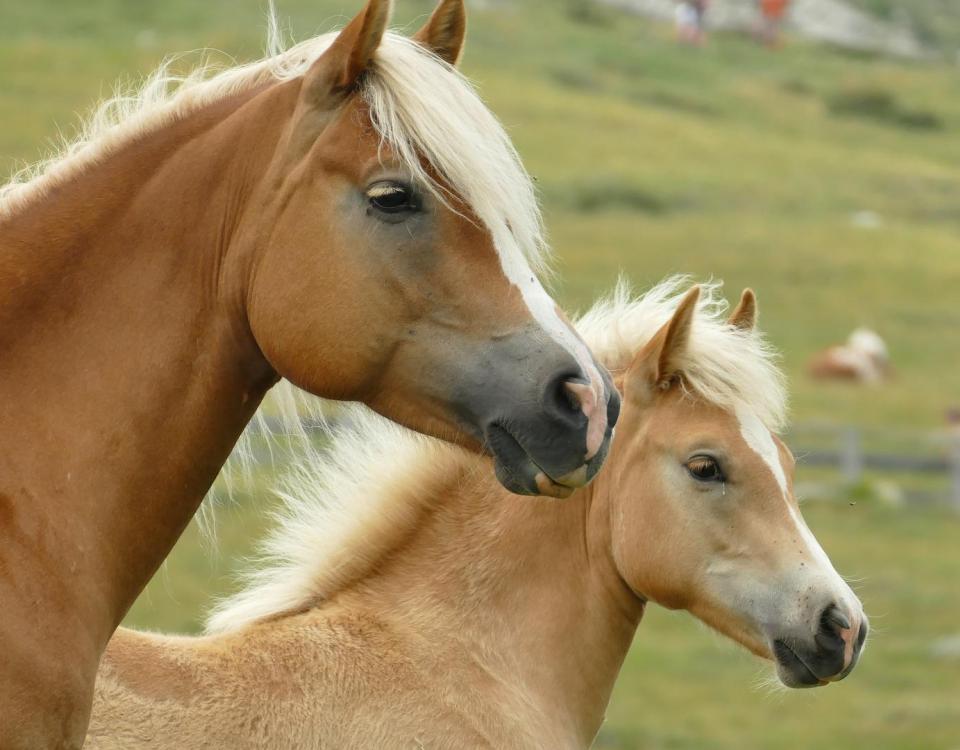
(808, 149)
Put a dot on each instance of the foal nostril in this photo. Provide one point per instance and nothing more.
(833, 620)
(830, 638)
(839, 641)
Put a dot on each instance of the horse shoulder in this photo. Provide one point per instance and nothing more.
(392, 686)
(143, 691)
(156, 691)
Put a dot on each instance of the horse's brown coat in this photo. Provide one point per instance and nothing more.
(148, 300)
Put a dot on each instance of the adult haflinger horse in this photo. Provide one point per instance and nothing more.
(449, 615)
(345, 214)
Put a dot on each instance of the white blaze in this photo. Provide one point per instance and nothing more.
(543, 309)
(759, 438)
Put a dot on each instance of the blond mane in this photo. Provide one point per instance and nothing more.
(724, 365)
(343, 510)
(421, 106)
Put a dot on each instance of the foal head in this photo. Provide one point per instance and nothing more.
(704, 516)
(396, 266)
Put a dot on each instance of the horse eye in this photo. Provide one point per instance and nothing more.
(392, 198)
(705, 469)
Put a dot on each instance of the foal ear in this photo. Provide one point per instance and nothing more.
(443, 34)
(341, 65)
(660, 360)
(745, 314)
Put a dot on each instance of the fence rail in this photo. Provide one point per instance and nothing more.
(851, 452)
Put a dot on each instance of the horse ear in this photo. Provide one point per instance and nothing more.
(342, 64)
(656, 364)
(443, 34)
(745, 314)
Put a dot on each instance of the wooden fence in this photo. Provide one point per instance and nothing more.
(853, 452)
(856, 451)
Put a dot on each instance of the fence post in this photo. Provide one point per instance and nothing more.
(954, 460)
(851, 457)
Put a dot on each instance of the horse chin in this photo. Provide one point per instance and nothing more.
(519, 473)
(792, 670)
(526, 478)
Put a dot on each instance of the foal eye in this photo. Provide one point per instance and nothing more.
(705, 469)
(390, 197)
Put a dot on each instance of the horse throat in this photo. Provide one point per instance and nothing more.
(524, 589)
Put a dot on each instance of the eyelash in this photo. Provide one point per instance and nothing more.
(378, 196)
(705, 469)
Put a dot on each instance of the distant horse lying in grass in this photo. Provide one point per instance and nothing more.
(863, 359)
(452, 614)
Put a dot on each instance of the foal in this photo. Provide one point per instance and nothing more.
(456, 616)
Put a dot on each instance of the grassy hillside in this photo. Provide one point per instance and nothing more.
(937, 22)
(726, 162)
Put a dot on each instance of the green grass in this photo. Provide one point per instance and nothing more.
(727, 162)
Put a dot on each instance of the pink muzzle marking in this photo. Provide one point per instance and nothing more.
(849, 637)
(595, 411)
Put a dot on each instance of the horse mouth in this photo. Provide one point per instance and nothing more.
(793, 670)
(519, 473)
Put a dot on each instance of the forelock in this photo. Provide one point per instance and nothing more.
(724, 364)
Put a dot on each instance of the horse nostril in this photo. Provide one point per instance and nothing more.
(572, 397)
(838, 643)
(833, 620)
(829, 636)
(569, 397)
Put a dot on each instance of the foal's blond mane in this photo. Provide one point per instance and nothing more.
(343, 511)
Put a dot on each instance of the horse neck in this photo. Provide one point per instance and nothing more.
(527, 586)
(128, 367)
